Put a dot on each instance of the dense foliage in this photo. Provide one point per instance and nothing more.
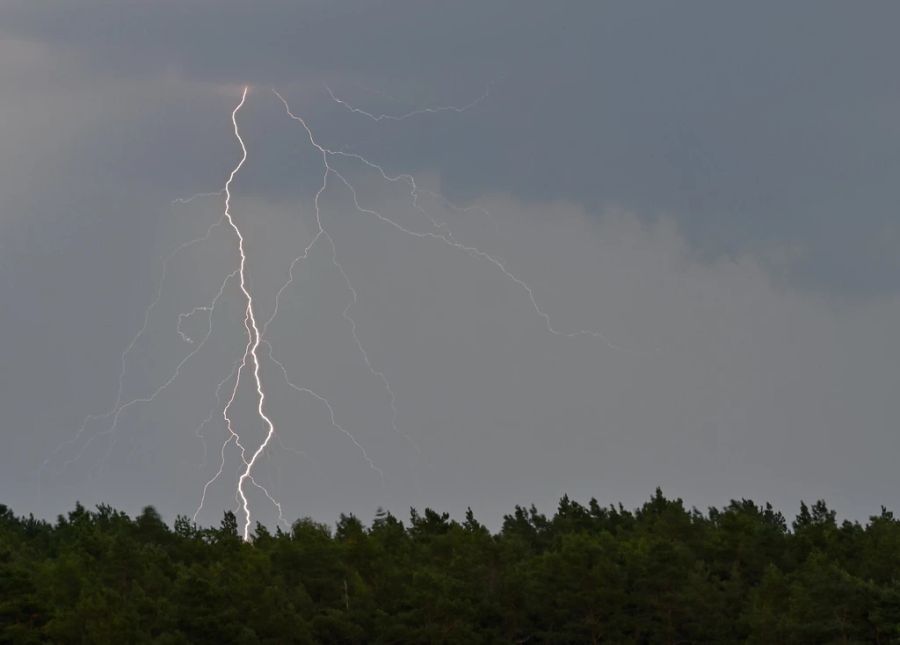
(660, 574)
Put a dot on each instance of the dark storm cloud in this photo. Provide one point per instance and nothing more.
(754, 125)
(271, 40)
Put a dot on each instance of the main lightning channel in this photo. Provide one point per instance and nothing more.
(253, 337)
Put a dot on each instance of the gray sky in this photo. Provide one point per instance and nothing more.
(711, 188)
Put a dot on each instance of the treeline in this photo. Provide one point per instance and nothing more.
(588, 574)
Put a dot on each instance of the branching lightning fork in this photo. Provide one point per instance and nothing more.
(445, 236)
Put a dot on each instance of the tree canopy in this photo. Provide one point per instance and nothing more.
(662, 573)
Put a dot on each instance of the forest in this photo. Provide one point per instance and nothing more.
(662, 573)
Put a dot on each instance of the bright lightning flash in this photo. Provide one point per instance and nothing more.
(253, 336)
(250, 363)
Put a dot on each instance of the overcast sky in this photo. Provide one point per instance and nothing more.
(710, 189)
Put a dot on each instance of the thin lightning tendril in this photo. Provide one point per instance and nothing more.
(328, 406)
(159, 390)
(411, 113)
(118, 405)
(120, 408)
(198, 431)
(188, 200)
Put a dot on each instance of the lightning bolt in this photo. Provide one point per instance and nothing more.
(253, 340)
(250, 365)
